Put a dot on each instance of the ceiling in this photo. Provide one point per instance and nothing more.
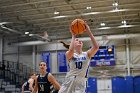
(37, 17)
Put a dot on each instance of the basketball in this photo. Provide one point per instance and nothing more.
(78, 26)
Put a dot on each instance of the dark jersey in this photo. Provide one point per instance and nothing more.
(43, 84)
(26, 86)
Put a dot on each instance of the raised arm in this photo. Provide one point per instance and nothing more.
(92, 51)
(53, 81)
(70, 51)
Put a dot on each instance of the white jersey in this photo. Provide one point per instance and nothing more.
(75, 81)
(78, 65)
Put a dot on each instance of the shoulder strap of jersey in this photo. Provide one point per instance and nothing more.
(38, 77)
(47, 75)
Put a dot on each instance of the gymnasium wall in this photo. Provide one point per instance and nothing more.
(23, 54)
(53, 64)
(0, 48)
(10, 53)
(17, 54)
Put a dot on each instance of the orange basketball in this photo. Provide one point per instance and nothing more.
(78, 26)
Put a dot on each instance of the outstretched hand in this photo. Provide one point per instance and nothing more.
(87, 27)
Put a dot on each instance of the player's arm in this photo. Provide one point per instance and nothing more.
(53, 81)
(36, 85)
(22, 91)
(70, 51)
(31, 81)
(92, 51)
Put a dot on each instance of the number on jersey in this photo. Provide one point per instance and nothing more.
(41, 87)
(79, 65)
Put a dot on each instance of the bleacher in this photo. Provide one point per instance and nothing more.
(12, 76)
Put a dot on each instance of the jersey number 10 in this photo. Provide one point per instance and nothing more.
(78, 65)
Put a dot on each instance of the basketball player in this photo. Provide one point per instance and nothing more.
(28, 86)
(45, 80)
(75, 81)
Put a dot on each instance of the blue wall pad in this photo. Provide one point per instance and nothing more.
(137, 84)
(118, 85)
(92, 85)
(129, 84)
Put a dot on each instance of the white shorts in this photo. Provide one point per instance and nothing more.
(27, 91)
(73, 84)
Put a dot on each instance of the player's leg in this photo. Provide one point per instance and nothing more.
(67, 86)
(80, 86)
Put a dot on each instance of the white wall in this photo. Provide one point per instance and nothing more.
(135, 50)
(120, 55)
(135, 54)
(26, 59)
(1, 46)
(38, 58)
(54, 62)
(104, 85)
